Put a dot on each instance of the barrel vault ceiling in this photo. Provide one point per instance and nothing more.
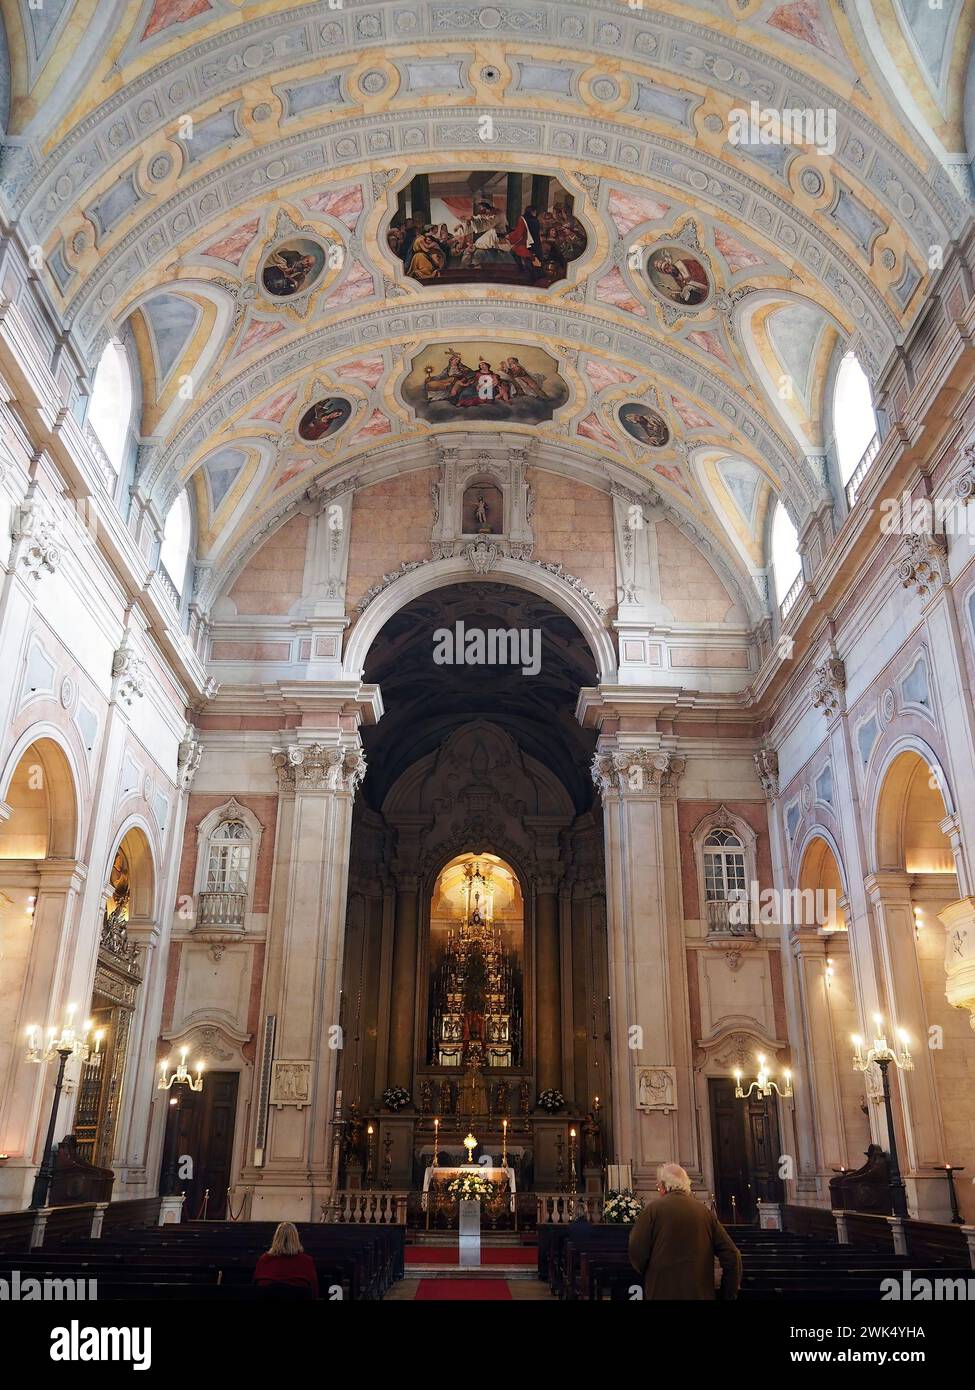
(157, 149)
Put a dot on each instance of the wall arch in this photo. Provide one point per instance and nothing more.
(61, 784)
(903, 762)
(135, 839)
(437, 574)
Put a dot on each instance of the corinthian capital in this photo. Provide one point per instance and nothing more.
(637, 770)
(829, 685)
(767, 766)
(319, 767)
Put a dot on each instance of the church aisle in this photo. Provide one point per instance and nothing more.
(472, 1290)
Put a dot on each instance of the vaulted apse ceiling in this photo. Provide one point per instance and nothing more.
(425, 702)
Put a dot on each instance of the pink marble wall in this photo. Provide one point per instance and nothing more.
(573, 527)
(391, 523)
(271, 581)
(688, 585)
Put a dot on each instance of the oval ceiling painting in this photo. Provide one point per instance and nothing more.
(678, 276)
(324, 418)
(292, 267)
(460, 227)
(644, 425)
(494, 380)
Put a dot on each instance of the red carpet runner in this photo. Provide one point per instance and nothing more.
(484, 1290)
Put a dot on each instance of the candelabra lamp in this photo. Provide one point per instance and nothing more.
(370, 1152)
(69, 1043)
(764, 1086)
(573, 1180)
(949, 1171)
(884, 1055)
(179, 1082)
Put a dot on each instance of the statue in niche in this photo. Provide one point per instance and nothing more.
(426, 1097)
(502, 1092)
(483, 510)
(592, 1142)
(524, 1096)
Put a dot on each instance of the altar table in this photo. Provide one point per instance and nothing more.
(447, 1174)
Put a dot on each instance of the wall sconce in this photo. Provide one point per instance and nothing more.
(918, 922)
(829, 971)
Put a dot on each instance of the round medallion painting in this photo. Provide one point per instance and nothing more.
(678, 276)
(292, 267)
(323, 418)
(645, 425)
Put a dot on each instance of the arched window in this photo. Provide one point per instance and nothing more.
(786, 564)
(175, 549)
(854, 420)
(110, 408)
(724, 866)
(224, 898)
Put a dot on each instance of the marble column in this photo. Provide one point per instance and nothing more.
(818, 1047)
(922, 1144)
(402, 1004)
(643, 946)
(317, 786)
(25, 1104)
(548, 993)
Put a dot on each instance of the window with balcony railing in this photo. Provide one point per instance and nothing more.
(223, 901)
(725, 887)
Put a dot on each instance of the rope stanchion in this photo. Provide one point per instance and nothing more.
(230, 1204)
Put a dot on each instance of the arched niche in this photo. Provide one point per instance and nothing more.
(821, 884)
(39, 788)
(912, 801)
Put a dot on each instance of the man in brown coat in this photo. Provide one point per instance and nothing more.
(675, 1240)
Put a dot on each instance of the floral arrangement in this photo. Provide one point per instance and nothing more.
(621, 1208)
(551, 1101)
(469, 1187)
(395, 1097)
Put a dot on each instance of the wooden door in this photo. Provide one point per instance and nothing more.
(206, 1135)
(745, 1151)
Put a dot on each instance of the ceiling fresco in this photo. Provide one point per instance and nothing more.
(309, 211)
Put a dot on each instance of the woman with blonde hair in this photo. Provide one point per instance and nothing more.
(285, 1271)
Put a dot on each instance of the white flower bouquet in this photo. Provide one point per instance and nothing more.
(469, 1187)
(396, 1097)
(551, 1100)
(621, 1208)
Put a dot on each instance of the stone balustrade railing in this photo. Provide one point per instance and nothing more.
(362, 1208)
(559, 1208)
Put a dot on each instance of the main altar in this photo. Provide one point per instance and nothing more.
(437, 1201)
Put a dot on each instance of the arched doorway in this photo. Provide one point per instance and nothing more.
(478, 765)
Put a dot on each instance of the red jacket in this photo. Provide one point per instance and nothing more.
(518, 239)
(287, 1269)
